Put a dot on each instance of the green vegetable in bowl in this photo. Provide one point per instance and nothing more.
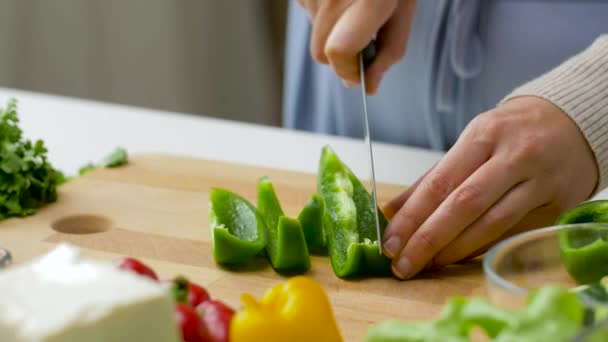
(592, 211)
(595, 298)
(552, 314)
(584, 251)
(27, 180)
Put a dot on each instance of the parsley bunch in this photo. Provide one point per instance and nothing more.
(27, 179)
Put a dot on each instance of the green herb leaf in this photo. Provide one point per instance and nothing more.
(86, 168)
(118, 157)
(27, 179)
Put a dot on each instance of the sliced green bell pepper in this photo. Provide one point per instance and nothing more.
(584, 251)
(238, 230)
(349, 221)
(592, 211)
(286, 247)
(311, 219)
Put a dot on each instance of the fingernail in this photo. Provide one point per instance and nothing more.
(391, 246)
(349, 84)
(402, 268)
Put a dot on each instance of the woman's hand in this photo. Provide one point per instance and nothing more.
(513, 168)
(343, 28)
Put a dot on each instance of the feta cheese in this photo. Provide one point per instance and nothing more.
(63, 297)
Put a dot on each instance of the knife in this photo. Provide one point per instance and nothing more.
(366, 57)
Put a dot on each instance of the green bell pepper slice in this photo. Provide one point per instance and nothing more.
(591, 211)
(238, 231)
(584, 251)
(286, 247)
(311, 219)
(349, 221)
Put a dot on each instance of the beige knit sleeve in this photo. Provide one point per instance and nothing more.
(579, 86)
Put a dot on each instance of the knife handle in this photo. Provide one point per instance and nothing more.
(369, 54)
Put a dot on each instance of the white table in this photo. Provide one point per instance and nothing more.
(77, 131)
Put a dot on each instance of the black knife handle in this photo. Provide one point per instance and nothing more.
(369, 54)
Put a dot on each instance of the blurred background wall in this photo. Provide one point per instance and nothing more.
(219, 58)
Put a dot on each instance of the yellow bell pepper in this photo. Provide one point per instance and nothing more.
(297, 310)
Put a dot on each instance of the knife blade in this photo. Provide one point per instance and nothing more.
(366, 57)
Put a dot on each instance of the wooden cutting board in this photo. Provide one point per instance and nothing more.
(155, 209)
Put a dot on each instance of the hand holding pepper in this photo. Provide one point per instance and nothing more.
(514, 168)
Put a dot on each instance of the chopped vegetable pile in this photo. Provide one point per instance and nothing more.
(27, 179)
(337, 222)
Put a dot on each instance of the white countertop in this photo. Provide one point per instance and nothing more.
(77, 131)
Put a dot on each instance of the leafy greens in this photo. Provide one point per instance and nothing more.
(553, 314)
(27, 179)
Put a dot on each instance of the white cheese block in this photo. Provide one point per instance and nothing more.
(62, 297)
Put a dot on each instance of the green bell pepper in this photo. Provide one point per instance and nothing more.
(349, 221)
(311, 219)
(592, 211)
(238, 231)
(286, 247)
(584, 251)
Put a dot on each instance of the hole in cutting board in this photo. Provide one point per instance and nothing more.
(82, 224)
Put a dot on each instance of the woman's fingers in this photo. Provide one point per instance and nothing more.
(391, 208)
(352, 32)
(495, 222)
(461, 208)
(343, 28)
(456, 166)
(392, 42)
(324, 18)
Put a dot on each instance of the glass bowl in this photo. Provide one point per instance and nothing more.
(531, 260)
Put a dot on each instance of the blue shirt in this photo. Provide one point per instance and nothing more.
(462, 57)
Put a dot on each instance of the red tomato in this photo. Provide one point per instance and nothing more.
(189, 323)
(197, 295)
(136, 266)
(215, 317)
